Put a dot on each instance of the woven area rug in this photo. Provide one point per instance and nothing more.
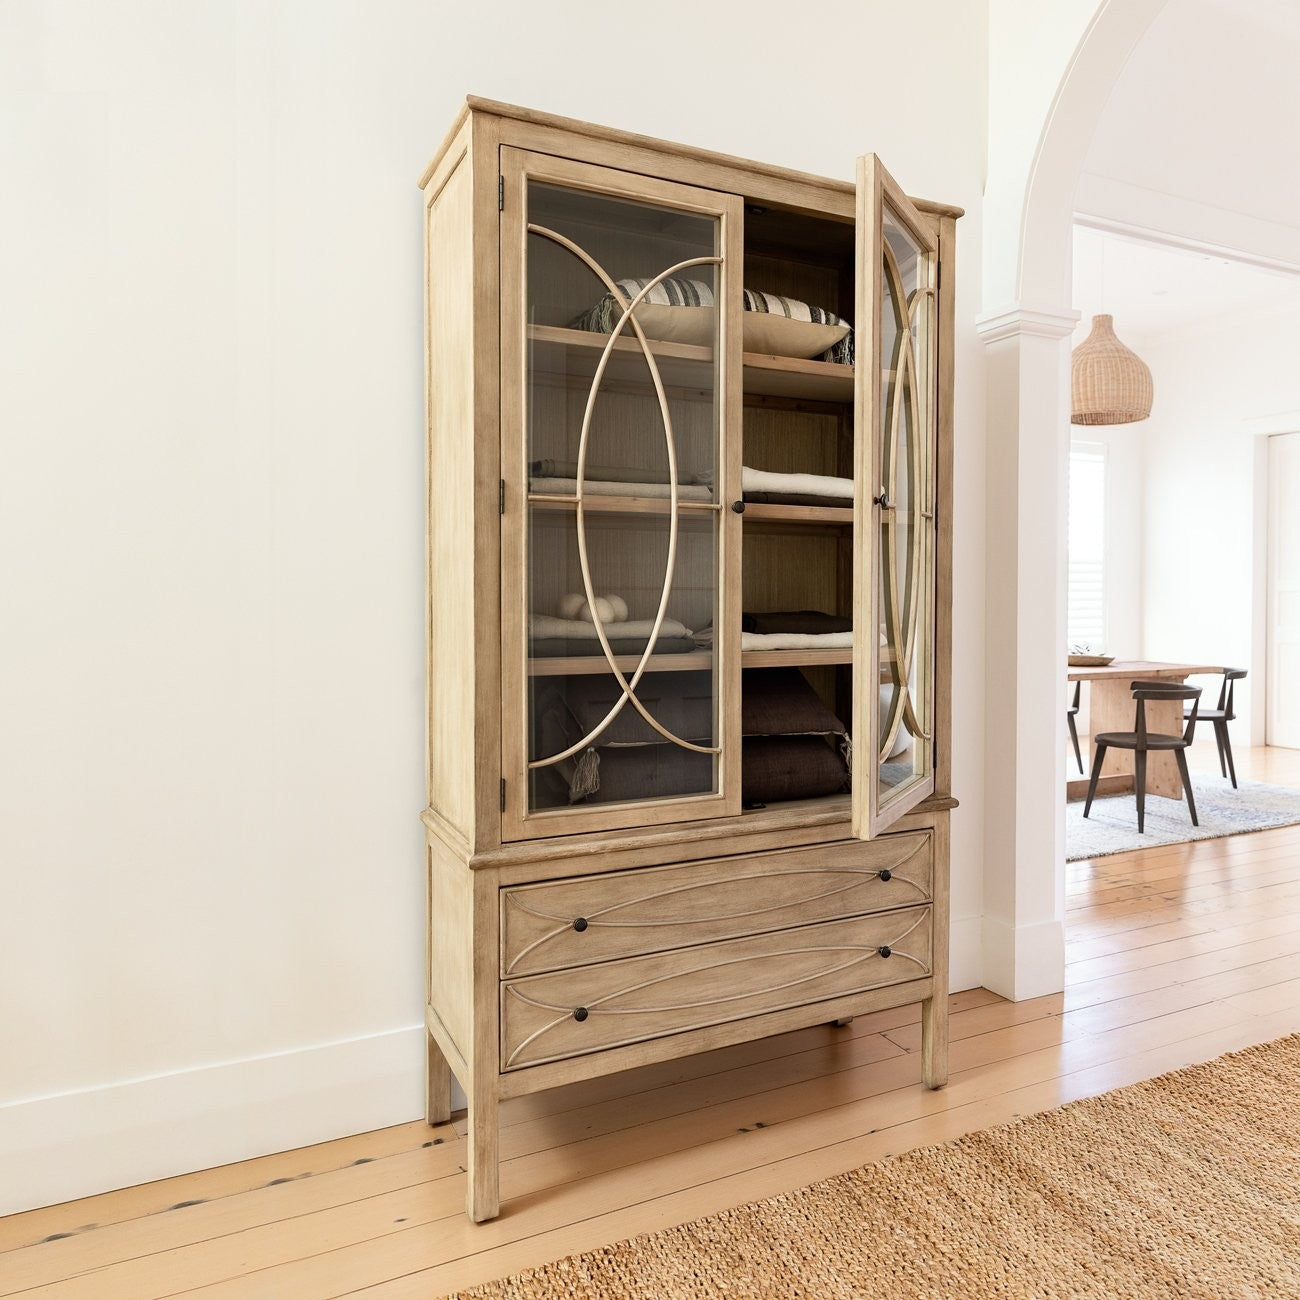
(1112, 825)
(1183, 1186)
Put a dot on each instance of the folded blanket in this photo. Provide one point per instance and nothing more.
(812, 485)
(806, 621)
(796, 499)
(546, 627)
(796, 641)
(567, 487)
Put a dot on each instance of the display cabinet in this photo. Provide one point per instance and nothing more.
(689, 454)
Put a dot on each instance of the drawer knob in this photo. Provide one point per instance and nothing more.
(738, 507)
(886, 950)
(886, 874)
(580, 924)
(580, 1013)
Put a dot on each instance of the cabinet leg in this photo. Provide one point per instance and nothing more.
(934, 1041)
(437, 1079)
(484, 1197)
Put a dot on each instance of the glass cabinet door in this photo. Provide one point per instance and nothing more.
(615, 330)
(895, 394)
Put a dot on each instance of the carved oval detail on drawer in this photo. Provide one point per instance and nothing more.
(576, 922)
(648, 997)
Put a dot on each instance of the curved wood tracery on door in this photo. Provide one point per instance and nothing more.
(902, 615)
(627, 687)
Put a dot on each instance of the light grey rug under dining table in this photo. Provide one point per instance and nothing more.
(1112, 825)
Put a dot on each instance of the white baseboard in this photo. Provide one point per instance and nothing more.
(1026, 961)
(76, 1144)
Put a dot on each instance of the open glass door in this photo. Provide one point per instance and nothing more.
(894, 516)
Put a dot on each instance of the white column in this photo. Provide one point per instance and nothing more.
(1028, 458)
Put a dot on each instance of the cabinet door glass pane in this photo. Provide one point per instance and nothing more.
(622, 446)
(906, 541)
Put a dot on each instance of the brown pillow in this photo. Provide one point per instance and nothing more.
(781, 702)
(790, 767)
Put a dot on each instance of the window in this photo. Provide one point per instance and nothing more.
(1086, 616)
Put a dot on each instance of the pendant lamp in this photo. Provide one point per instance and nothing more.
(1109, 383)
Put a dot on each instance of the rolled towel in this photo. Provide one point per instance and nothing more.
(817, 485)
(612, 609)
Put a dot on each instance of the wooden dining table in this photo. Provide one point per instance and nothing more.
(1112, 708)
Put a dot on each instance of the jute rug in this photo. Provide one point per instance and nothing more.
(1184, 1186)
(1112, 825)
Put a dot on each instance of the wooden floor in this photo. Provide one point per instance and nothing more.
(1176, 955)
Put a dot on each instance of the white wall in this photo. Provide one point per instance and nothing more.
(212, 455)
(1218, 390)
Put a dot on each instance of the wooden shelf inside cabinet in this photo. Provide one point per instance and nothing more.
(620, 505)
(585, 665)
(760, 511)
(575, 354)
(795, 658)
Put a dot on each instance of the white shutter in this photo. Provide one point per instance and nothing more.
(1086, 617)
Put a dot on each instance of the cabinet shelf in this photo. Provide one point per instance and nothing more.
(620, 505)
(575, 354)
(585, 665)
(763, 512)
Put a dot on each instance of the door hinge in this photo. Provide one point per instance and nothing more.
(501, 498)
(501, 193)
(503, 794)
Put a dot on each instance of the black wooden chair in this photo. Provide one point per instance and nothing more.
(1074, 730)
(1221, 715)
(1141, 742)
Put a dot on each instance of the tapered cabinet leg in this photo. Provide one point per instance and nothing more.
(934, 1041)
(437, 1082)
(484, 1195)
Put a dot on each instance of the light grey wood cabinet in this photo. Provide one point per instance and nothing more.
(689, 593)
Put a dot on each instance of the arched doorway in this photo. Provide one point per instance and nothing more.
(1040, 126)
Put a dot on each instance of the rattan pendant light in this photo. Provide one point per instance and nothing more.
(1109, 383)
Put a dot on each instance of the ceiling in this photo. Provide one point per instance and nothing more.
(1152, 289)
(1208, 108)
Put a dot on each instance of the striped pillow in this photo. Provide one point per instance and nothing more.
(690, 319)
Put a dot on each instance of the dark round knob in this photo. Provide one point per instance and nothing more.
(886, 874)
(882, 501)
(738, 507)
(886, 950)
(580, 924)
(580, 1013)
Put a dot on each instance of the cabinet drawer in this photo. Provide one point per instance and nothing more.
(589, 1008)
(599, 918)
